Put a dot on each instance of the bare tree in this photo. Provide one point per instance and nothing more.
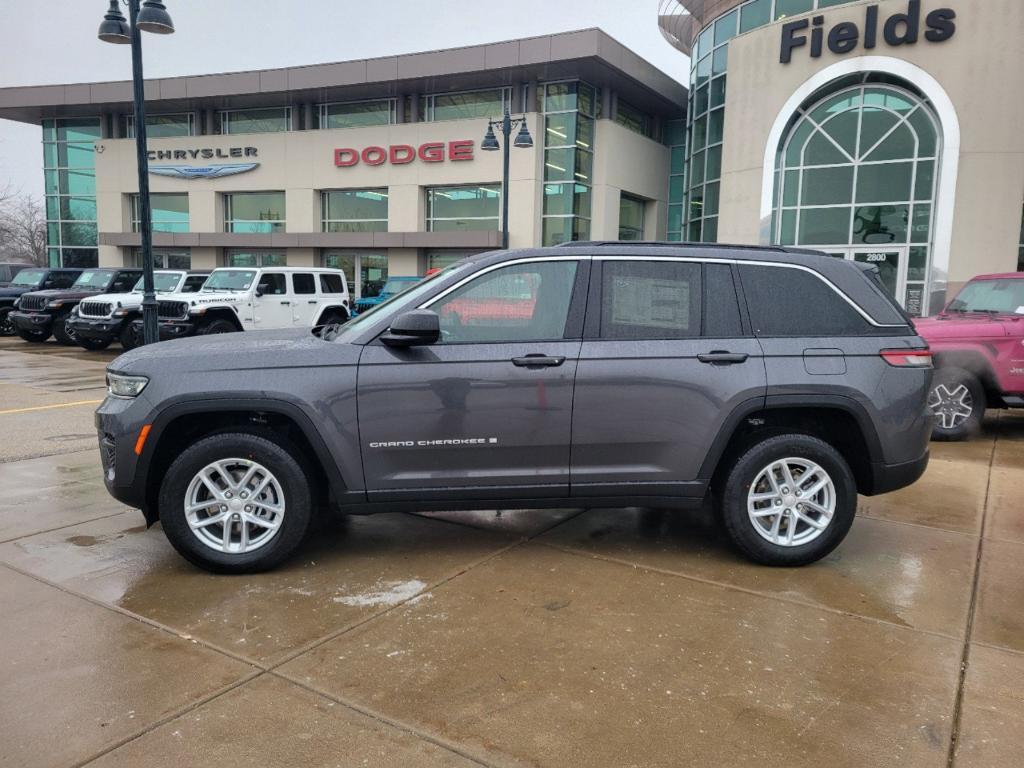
(22, 229)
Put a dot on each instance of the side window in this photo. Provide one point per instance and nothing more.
(721, 306)
(273, 284)
(331, 283)
(193, 283)
(650, 300)
(304, 283)
(784, 301)
(61, 280)
(522, 302)
(124, 282)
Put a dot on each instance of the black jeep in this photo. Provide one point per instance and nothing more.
(26, 281)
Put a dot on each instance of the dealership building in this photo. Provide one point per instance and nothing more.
(372, 165)
(889, 132)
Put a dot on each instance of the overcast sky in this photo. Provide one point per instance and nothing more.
(55, 42)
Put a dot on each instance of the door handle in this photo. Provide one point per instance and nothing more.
(311, 302)
(286, 302)
(538, 361)
(721, 357)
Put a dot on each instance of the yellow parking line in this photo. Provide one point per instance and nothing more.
(49, 407)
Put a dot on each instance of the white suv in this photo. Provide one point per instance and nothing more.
(99, 321)
(249, 299)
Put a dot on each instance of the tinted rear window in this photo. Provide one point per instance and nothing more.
(784, 301)
(331, 283)
(650, 300)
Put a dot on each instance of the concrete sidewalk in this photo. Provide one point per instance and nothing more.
(555, 638)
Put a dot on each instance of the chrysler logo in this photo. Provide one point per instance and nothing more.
(201, 171)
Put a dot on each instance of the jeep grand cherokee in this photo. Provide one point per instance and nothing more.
(781, 382)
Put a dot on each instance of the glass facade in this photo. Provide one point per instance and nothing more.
(461, 209)
(254, 212)
(355, 210)
(856, 176)
(675, 138)
(569, 112)
(490, 103)
(706, 114)
(445, 258)
(245, 257)
(69, 173)
(634, 119)
(170, 212)
(165, 258)
(161, 126)
(356, 114)
(275, 120)
(631, 217)
(365, 271)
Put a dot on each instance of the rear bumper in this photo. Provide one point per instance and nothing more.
(891, 477)
(38, 322)
(100, 329)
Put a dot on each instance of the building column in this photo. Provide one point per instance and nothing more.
(400, 108)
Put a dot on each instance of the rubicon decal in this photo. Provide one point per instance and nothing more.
(403, 154)
(441, 443)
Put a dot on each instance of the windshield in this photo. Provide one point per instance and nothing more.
(229, 280)
(1005, 297)
(397, 285)
(161, 283)
(91, 280)
(408, 298)
(28, 278)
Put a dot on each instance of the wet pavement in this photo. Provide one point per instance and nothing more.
(553, 638)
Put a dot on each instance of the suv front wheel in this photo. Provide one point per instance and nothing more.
(789, 500)
(235, 503)
(957, 401)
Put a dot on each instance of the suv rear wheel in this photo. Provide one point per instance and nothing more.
(217, 325)
(235, 503)
(6, 326)
(957, 400)
(789, 500)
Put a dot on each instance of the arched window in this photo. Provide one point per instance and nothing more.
(856, 175)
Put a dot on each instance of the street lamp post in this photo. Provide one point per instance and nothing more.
(151, 17)
(490, 144)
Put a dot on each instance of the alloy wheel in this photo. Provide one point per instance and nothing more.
(791, 502)
(234, 506)
(951, 407)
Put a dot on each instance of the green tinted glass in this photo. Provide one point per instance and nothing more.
(784, 8)
(78, 208)
(795, 144)
(716, 126)
(899, 144)
(678, 160)
(755, 14)
(880, 224)
(920, 225)
(714, 162)
(824, 226)
(725, 27)
(711, 192)
(821, 151)
(720, 60)
(566, 199)
(82, 182)
(675, 218)
(827, 186)
(925, 183)
(925, 129)
(357, 114)
(709, 232)
(79, 129)
(875, 123)
(884, 182)
(790, 188)
(358, 204)
(465, 106)
(78, 234)
(717, 96)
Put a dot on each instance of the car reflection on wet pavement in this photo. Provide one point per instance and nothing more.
(556, 637)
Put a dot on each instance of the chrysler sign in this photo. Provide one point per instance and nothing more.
(402, 154)
(183, 171)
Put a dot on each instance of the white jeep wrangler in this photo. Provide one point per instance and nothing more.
(99, 321)
(257, 298)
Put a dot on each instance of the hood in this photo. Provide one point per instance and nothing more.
(248, 350)
(13, 291)
(65, 295)
(126, 299)
(954, 326)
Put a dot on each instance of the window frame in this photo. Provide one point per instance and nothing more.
(323, 110)
(229, 220)
(136, 218)
(427, 103)
(129, 124)
(224, 120)
(430, 218)
(325, 222)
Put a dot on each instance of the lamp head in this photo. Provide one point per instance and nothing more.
(490, 142)
(154, 18)
(523, 139)
(114, 28)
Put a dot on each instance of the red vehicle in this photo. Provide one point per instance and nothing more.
(495, 304)
(977, 345)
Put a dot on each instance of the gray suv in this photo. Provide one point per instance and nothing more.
(781, 383)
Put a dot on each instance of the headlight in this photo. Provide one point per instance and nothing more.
(120, 385)
(55, 304)
(120, 313)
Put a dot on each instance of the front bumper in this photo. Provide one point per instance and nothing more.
(169, 329)
(36, 322)
(117, 427)
(98, 328)
(891, 477)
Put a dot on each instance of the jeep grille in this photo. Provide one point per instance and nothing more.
(32, 303)
(172, 310)
(88, 309)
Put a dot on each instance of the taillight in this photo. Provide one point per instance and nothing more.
(908, 358)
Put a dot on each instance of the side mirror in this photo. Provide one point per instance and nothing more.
(417, 328)
(261, 289)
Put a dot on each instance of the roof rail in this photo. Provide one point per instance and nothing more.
(677, 244)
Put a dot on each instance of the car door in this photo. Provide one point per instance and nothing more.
(305, 302)
(272, 302)
(665, 360)
(486, 411)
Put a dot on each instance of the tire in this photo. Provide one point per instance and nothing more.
(93, 345)
(129, 337)
(6, 326)
(333, 318)
(33, 337)
(216, 326)
(957, 401)
(292, 488)
(62, 333)
(751, 534)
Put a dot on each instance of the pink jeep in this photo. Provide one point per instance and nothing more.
(977, 345)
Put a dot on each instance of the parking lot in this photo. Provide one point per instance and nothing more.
(556, 638)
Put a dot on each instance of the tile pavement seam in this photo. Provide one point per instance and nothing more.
(965, 654)
(61, 527)
(136, 617)
(170, 717)
(380, 717)
(994, 647)
(324, 639)
(48, 455)
(870, 516)
(747, 591)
